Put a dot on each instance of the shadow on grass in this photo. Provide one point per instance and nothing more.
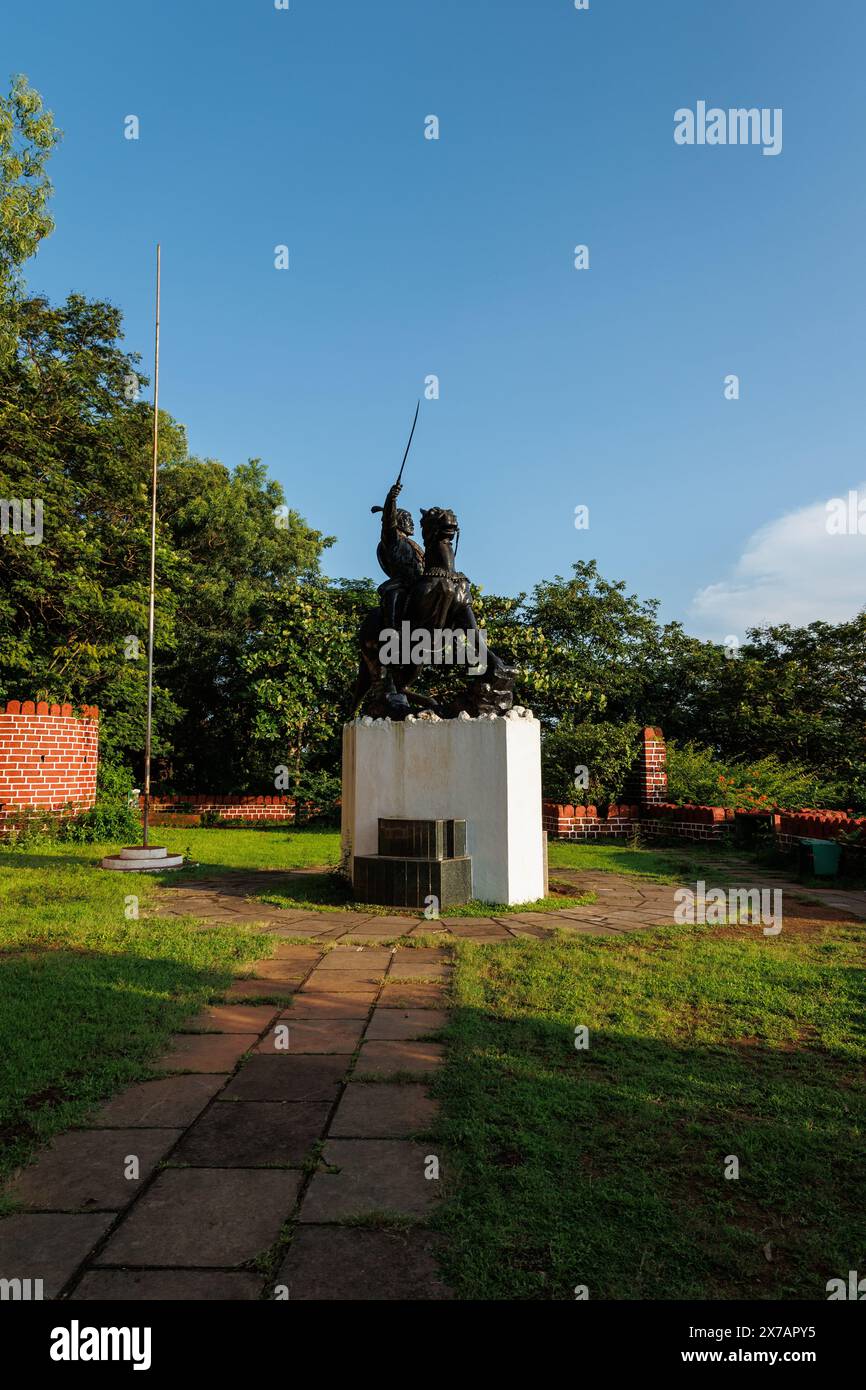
(77, 1024)
(605, 1167)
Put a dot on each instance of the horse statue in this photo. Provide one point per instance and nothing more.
(425, 618)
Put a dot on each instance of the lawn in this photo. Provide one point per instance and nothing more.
(88, 995)
(271, 848)
(676, 864)
(605, 1167)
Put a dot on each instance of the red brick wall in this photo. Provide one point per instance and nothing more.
(653, 777)
(587, 822)
(790, 826)
(256, 808)
(48, 757)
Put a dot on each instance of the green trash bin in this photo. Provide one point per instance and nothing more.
(825, 856)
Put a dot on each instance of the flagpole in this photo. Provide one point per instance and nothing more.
(152, 594)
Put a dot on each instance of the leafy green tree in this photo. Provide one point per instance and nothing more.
(73, 607)
(303, 664)
(27, 137)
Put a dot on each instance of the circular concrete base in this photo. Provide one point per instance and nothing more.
(137, 859)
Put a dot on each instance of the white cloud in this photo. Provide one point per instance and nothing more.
(792, 570)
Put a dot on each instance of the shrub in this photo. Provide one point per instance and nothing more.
(317, 796)
(106, 821)
(608, 751)
(698, 775)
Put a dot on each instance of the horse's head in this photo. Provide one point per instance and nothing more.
(438, 524)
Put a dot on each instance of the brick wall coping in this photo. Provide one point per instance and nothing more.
(198, 799)
(43, 707)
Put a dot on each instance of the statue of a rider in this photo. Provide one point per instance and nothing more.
(401, 558)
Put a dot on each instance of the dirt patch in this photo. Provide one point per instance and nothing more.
(798, 919)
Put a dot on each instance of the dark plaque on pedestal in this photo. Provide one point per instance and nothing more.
(417, 860)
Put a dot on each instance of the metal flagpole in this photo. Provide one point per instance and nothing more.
(150, 614)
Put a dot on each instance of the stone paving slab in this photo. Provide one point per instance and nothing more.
(376, 1175)
(397, 924)
(352, 966)
(326, 1005)
(399, 1024)
(232, 1018)
(371, 931)
(388, 1058)
(521, 928)
(488, 935)
(343, 982)
(165, 1285)
(336, 1263)
(287, 1078)
(423, 994)
(286, 972)
(313, 1035)
(363, 958)
(49, 1247)
(417, 970)
(207, 1052)
(203, 1217)
(373, 1110)
(172, 1101)
(84, 1169)
(260, 989)
(253, 1134)
(422, 955)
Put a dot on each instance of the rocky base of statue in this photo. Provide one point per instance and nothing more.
(425, 769)
(492, 693)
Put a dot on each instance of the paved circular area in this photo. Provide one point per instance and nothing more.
(624, 903)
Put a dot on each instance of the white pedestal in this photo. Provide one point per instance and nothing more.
(485, 771)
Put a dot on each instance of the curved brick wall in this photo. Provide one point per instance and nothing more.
(48, 756)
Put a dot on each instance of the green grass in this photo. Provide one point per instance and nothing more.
(213, 850)
(605, 1167)
(677, 864)
(88, 997)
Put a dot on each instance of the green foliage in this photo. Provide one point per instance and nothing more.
(73, 607)
(302, 665)
(107, 822)
(697, 775)
(114, 782)
(607, 750)
(27, 137)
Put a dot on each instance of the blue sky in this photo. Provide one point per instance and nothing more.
(411, 257)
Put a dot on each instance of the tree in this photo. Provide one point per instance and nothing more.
(27, 137)
(73, 607)
(303, 664)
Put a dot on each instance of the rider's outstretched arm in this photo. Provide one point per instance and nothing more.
(389, 514)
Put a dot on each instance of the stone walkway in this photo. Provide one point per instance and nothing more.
(308, 1111)
(282, 1154)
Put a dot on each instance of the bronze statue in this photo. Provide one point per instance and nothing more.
(399, 556)
(425, 618)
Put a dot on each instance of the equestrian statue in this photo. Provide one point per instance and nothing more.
(425, 619)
